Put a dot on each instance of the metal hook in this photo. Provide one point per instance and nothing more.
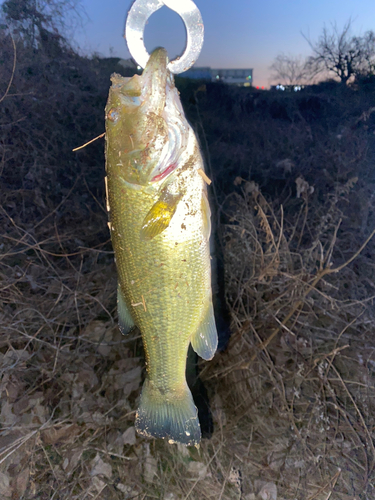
(136, 21)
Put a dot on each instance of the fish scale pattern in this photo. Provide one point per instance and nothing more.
(168, 282)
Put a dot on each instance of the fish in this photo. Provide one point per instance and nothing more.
(159, 220)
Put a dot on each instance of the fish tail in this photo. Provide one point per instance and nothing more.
(171, 416)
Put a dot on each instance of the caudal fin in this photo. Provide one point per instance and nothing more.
(172, 416)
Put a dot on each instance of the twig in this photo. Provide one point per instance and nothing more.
(225, 480)
(198, 479)
(143, 303)
(109, 453)
(202, 173)
(297, 305)
(22, 440)
(332, 481)
(339, 268)
(365, 428)
(14, 67)
(87, 143)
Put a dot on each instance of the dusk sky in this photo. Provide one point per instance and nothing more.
(238, 33)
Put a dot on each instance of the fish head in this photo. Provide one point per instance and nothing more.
(137, 129)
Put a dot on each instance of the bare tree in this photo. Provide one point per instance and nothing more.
(42, 22)
(342, 54)
(288, 69)
(366, 44)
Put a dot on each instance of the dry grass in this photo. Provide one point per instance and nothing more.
(300, 362)
(293, 394)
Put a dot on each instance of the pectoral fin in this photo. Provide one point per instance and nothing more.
(204, 341)
(125, 321)
(160, 215)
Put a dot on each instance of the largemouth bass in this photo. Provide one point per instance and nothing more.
(160, 228)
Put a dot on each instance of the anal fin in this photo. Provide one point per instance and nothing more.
(125, 321)
(204, 341)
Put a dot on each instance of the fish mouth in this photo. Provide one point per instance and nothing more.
(161, 96)
(154, 81)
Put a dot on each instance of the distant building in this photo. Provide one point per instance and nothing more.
(286, 88)
(240, 77)
(198, 73)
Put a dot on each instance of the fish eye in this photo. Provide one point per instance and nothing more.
(113, 115)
